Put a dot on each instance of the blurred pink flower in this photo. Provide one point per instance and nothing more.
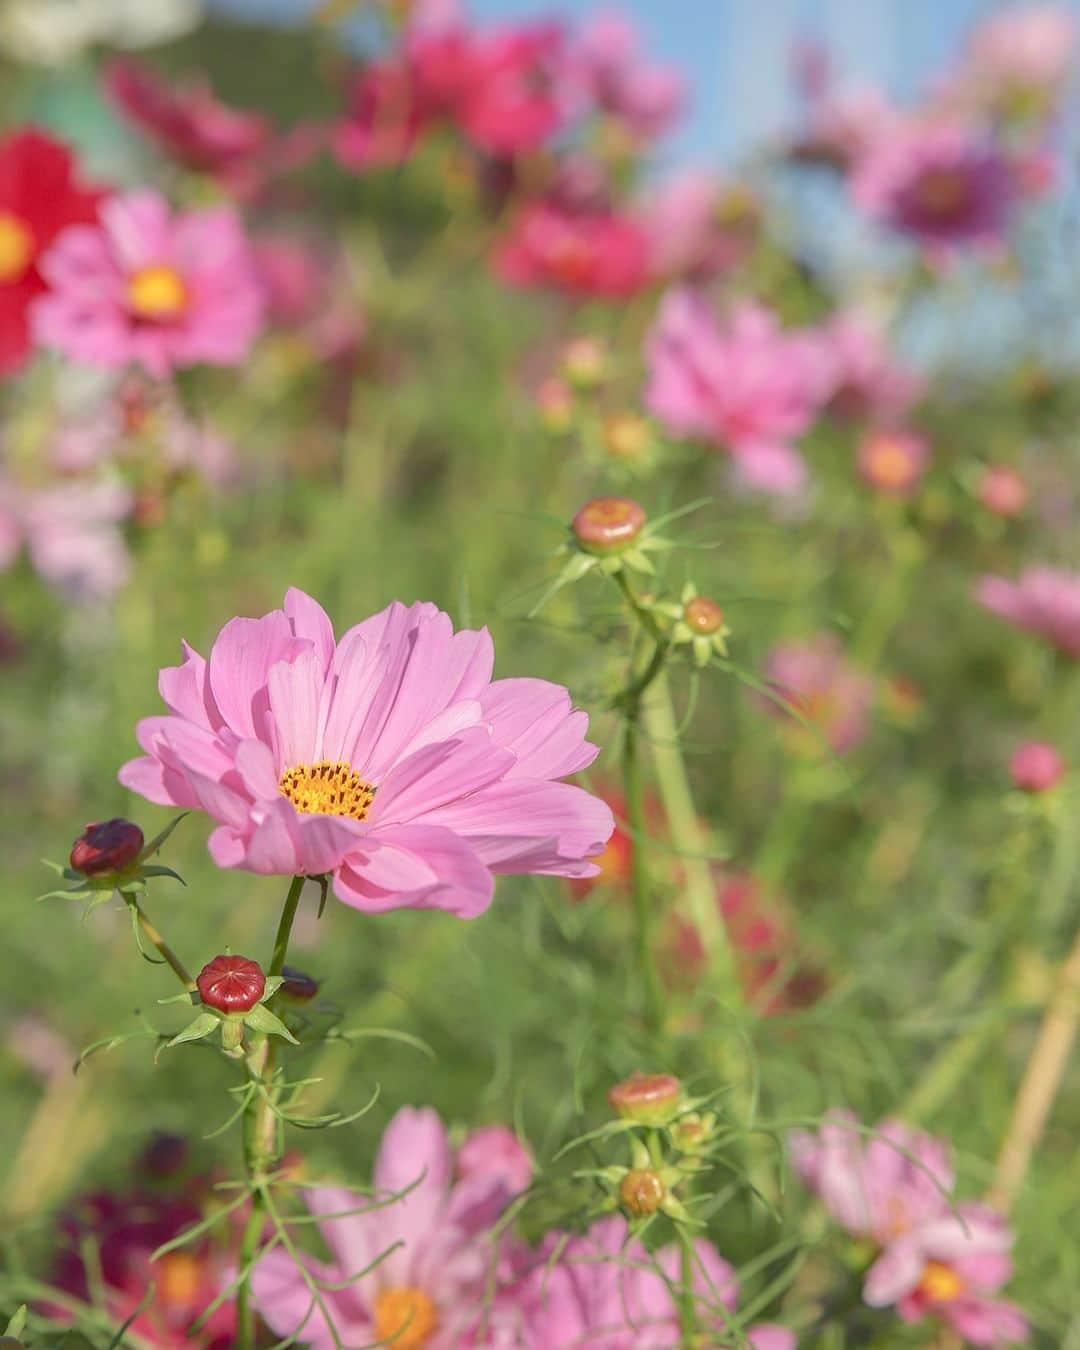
(70, 532)
(815, 677)
(495, 1151)
(585, 254)
(150, 287)
(750, 387)
(1036, 766)
(621, 82)
(893, 460)
(1017, 64)
(389, 758)
(514, 94)
(689, 236)
(842, 126)
(868, 380)
(384, 116)
(306, 289)
(188, 122)
(1044, 601)
(944, 185)
(431, 1280)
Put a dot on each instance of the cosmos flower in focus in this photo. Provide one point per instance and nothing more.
(389, 759)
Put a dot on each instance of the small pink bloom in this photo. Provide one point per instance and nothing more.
(150, 287)
(842, 127)
(384, 119)
(187, 121)
(389, 759)
(604, 255)
(72, 539)
(944, 185)
(893, 460)
(1044, 601)
(1036, 767)
(514, 99)
(749, 388)
(1002, 491)
(814, 676)
(868, 380)
(694, 228)
(621, 82)
(495, 1151)
(1017, 64)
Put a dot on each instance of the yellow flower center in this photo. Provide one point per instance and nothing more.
(156, 293)
(178, 1279)
(327, 788)
(405, 1318)
(16, 247)
(940, 1283)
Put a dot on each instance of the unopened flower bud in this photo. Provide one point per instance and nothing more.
(585, 362)
(106, 846)
(164, 1156)
(648, 1098)
(231, 984)
(1002, 491)
(1036, 767)
(893, 461)
(608, 524)
(297, 985)
(627, 436)
(641, 1192)
(703, 616)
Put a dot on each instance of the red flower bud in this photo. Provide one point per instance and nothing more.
(1036, 767)
(298, 985)
(231, 984)
(106, 846)
(703, 615)
(649, 1098)
(607, 524)
(641, 1192)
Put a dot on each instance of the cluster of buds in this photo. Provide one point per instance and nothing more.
(668, 1141)
(232, 992)
(111, 856)
(696, 622)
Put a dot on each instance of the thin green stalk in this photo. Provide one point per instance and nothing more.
(167, 954)
(284, 929)
(643, 925)
(687, 1310)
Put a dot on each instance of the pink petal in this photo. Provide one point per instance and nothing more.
(461, 883)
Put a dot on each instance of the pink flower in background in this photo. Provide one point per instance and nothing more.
(749, 387)
(1017, 64)
(945, 186)
(390, 759)
(1043, 600)
(893, 460)
(70, 533)
(384, 117)
(951, 1267)
(426, 1290)
(868, 380)
(513, 97)
(1036, 766)
(814, 676)
(187, 122)
(604, 255)
(694, 232)
(150, 287)
(307, 289)
(495, 1151)
(842, 126)
(621, 82)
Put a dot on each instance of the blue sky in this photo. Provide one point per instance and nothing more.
(735, 53)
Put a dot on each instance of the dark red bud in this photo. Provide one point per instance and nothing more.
(106, 846)
(231, 984)
(298, 985)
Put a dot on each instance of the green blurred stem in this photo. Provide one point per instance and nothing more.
(261, 1130)
(688, 838)
(167, 954)
(687, 1310)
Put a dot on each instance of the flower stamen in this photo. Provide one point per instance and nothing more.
(405, 1318)
(327, 788)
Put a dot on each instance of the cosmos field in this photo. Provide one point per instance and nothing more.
(539, 722)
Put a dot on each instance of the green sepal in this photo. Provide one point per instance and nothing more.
(148, 850)
(18, 1322)
(260, 1018)
(202, 1026)
(158, 870)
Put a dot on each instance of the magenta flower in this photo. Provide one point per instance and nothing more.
(814, 676)
(945, 186)
(868, 380)
(389, 759)
(514, 97)
(1044, 601)
(689, 236)
(150, 287)
(749, 388)
(619, 80)
(601, 254)
(431, 1234)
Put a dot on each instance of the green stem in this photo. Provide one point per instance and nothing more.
(167, 954)
(687, 1310)
(261, 1131)
(635, 810)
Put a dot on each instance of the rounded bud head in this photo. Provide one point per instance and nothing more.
(231, 984)
(298, 986)
(641, 1192)
(1036, 767)
(585, 361)
(106, 846)
(1002, 491)
(164, 1156)
(608, 524)
(627, 436)
(649, 1098)
(893, 461)
(702, 615)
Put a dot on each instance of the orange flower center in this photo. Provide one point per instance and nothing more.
(16, 247)
(327, 788)
(940, 1283)
(157, 292)
(889, 463)
(178, 1279)
(405, 1318)
(572, 261)
(942, 191)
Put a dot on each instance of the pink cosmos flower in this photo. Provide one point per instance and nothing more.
(842, 125)
(694, 232)
(749, 387)
(619, 80)
(150, 287)
(1036, 766)
(495, 1151)
(514, 98)
(430, 1233)
(384, 117)
(942, 184)
(1017, 64)
(71, 535)
(187, 121)
(868, 380)
(389, 759)
(585, 254)
(814, 676)
(1044, 601)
